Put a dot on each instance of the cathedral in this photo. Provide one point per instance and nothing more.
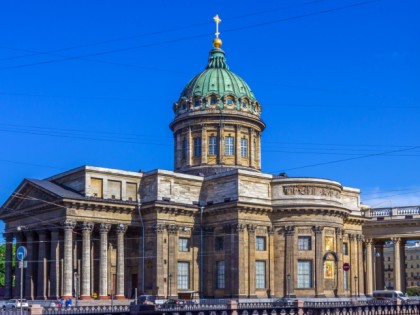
(216, 225)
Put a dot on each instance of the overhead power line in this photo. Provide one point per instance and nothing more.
(118, 50)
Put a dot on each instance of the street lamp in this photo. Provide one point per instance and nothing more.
(288, 285)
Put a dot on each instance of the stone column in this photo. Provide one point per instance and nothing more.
(29, 281)
(240, 273)
(160, 270)
(121, 228)
(369, 266)
(189, 147)
(221, 144)
(87, 228)
(68, 259)
(279, 263)
(238, 145)
(379, 266)
(8, 266)
(178, 150)
(319, 262)
(339, 267)
(55, 266)
(353, 280)
(271, 262)
(361, 282)
(210, 262)
(173, 257)
(399, 264)
(229, 262)
(16, 293)
(204, 147)
(42, 267)
(252, 147)
(103, 261)
(290, 261)
(251, 261)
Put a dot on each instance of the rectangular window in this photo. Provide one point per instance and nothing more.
(197, 147)
(96, 187)
(345, 248)
(131, 191)
(219, 243)
(260, 243)
(213, 147)
(183, 244)
(220, 277)
(229, 146)
(304, 274)
(183, 275)
(304, 243)
(346, 280)
(114, 189)
(260, 274)
(184, 149)
(244, 147)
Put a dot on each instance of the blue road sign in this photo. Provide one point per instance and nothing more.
(21, 253)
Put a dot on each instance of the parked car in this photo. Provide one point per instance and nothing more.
(173, 303)
(390, 296)
(15, 303)
(145, 300)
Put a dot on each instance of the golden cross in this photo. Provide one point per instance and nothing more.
(217, 20)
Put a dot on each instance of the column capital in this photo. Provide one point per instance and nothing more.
(69, 224)
(87, 226)
(121, 228)
(396, 240)
(158, 228)
(29, 234)
(369, 241)
(360, 238)
(172, 229)
(289, 230)
(104, 227)
(42, 234)
(339, 232)
(270, 230)
(251, 228)
(227, 228)
(8, 236)
(317, 229)
(238, 228)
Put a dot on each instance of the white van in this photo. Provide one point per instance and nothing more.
(390, 295)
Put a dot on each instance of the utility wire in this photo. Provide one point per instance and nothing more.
(358, 4)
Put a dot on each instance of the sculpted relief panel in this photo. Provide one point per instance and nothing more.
(303, 190)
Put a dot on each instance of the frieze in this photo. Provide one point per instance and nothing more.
(329, 232)
(304, 231)
(311, 191)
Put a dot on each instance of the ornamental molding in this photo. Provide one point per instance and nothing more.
(304, 231)
(306, 190)
(104, 228)
(87, 226)
(330, 232)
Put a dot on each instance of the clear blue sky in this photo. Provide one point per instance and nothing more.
(93, 83)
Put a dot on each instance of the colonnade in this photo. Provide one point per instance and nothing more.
(375, 267)
(56, 262)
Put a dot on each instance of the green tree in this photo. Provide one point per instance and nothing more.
(3, 262)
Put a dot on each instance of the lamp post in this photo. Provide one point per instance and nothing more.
(288, 285)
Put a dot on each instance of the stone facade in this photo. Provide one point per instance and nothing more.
(237, 218)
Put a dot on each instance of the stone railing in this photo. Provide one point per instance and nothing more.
(393, 213)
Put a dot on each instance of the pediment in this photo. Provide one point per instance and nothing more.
(27, 196)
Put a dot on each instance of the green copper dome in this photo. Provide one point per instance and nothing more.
(218, 79)
(217, 87)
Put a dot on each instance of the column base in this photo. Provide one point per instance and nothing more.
(86, 297)
(120, 297)
(65, 297)
(104, 297)
(41, 298)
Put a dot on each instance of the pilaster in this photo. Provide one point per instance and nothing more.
(279, 263)
(319, 262)
(340, 271)
(360, 258)
(290, 260)
(204, 146)
(251, 261)
(29, 272)
(173, 258)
